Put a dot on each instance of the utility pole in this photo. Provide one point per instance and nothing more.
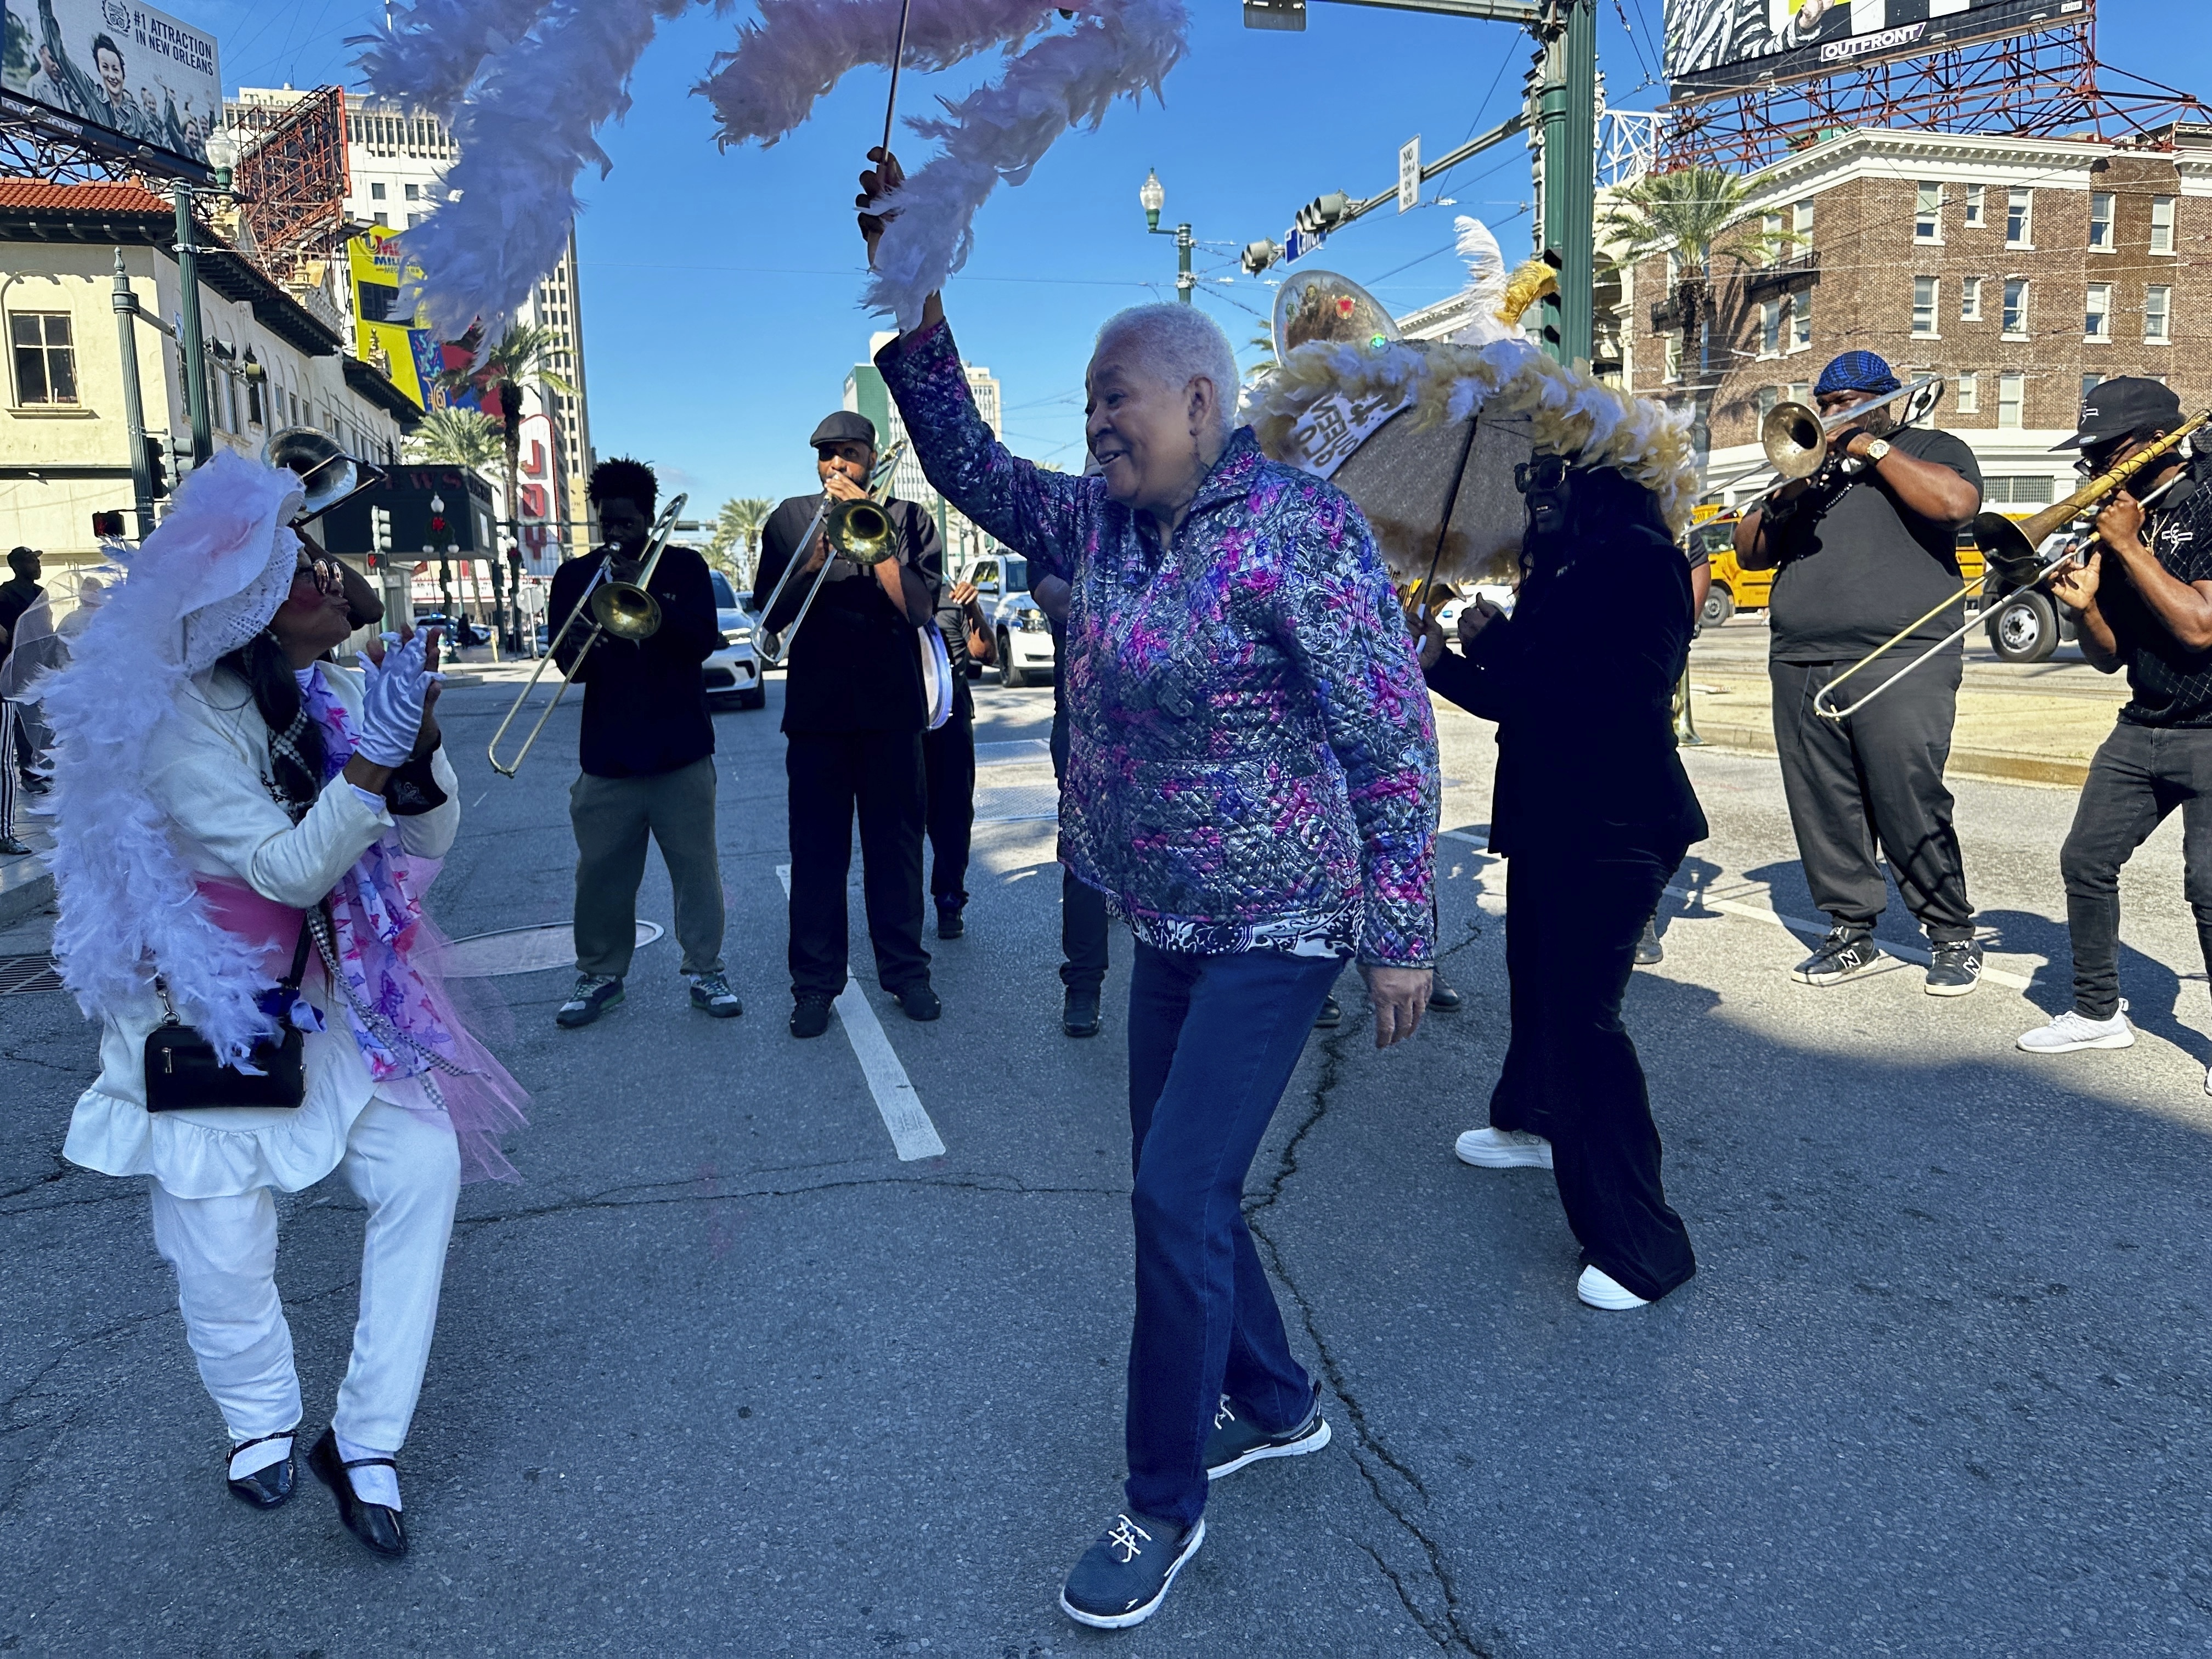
(188, 340)
(134, 410)
(1153, 196)
(1567, 134)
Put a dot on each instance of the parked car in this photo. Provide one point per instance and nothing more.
(1019, 626)
(733, 672)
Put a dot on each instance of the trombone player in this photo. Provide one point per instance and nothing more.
(1863, 547)
(647, 755)
(853, 713)
(2141, 591)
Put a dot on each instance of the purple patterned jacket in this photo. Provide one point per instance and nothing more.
(1252, 758)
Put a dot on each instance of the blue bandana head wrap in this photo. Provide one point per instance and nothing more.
(1856, 371)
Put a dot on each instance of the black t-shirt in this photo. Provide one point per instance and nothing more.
(854, 663)
(1852, 574)
(645, 704)
(16, 597)
(2173, 687)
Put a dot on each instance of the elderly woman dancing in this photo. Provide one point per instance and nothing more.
(1252, 783)
(232, 807)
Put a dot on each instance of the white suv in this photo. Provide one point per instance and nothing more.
(1023, 633)
(733, 669)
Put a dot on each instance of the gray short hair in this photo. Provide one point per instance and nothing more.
(1180, 344)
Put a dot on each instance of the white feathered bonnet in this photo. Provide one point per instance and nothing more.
(205, 582)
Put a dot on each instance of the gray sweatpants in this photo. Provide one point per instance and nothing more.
(612, 817)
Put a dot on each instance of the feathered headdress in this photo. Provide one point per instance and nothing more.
(201, 586)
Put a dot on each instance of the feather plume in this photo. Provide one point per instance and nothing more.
(1531, 281)
(436, 48)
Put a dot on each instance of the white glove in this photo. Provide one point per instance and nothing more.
(393, 694)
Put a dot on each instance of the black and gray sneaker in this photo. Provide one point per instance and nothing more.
(1844, 952)
(1954, 968)
(1650, 952)
(711, 992)
(1236, 1441)
(1124, 1577)
(594, 994)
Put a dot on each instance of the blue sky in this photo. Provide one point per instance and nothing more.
(721, 289)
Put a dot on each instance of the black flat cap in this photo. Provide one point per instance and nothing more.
(2122, 407)
(845, 427)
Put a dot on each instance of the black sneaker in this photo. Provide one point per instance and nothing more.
(594, 994)
(711, 992)
(1649, 951)
(919, 1002)
(949, 922)
(1954, 968)
(1124, 1577)
(1443, 999)
(1079, 1017)
(1331, 1015)
(1844, 952)
(810, 1014)
(1236, 1441)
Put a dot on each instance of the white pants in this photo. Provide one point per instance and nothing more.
(406, 1168)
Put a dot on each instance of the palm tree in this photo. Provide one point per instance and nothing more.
(456, 437)
(1689, 210)
(740, 519)
(496, 374)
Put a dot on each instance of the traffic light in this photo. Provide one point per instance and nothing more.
(1324, 213)
(1259, 255)
(1275, 14)
(107, 526)
(1549, 330)
(380, 529)
(157, 467)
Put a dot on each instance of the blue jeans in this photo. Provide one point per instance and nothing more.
(1206, 1321)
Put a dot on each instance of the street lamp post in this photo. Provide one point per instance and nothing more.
(1154, 195)
(222, 153)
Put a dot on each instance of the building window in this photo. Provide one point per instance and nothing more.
(1924, 306)
(2098, 323)
(1768, 396)
(45, 358)
(1769, 239)
(2017, 492)
(1970, 299)
(1966, 394)
(1974, 195)
(414, 192)
(2158, 304)
(2162, 224)
(1927, 214)
(2089, 384)
(413, 219)
(1801, 220)
(376, 192)
(1801, 320)
(1800, 392)
(383, 219)
(1673, 362)
(1769, 329)
(2100, 221)
(2020, 218)
(2012, 393)
(2016, 307)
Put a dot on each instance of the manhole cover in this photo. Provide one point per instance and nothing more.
(523, 950)
(27, 974)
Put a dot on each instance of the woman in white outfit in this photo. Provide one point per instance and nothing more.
(219, 789)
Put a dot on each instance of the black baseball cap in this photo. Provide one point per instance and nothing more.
(2120, 408)
(846, 427)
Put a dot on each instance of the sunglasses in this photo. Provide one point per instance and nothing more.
(1546, 475)
(323, 573)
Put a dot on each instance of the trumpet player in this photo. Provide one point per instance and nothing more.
(647, 756)
(2142, 594)
(1862, 547)
(854, 714)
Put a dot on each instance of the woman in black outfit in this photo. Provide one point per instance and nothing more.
(1592, 812)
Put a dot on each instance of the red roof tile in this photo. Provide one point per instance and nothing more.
(35, 194)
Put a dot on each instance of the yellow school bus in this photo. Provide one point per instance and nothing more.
(1735, 589)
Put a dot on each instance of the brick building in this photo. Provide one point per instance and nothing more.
(2026, 269)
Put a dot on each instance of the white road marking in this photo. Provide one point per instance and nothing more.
(913, 1135)
(1813, 930)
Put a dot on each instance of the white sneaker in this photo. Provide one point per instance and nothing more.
(1504, 1149)
(1602, 1289)
(2071, 1030)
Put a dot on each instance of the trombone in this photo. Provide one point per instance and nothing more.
(1793, 437)
(624, 609)
(858, 531)
(2011, 552)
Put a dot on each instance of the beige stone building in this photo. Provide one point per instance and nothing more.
(64, 444)
(2023, 270)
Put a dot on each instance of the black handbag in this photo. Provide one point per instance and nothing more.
(184, 1074)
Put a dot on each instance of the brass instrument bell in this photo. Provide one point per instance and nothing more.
(329, 474)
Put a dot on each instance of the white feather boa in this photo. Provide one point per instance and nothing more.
(436, 47)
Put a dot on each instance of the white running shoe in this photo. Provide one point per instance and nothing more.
(1602, 1289)
(2071, 1030)
(1504, 1149)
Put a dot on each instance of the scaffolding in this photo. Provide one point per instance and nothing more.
(2047, 84)
(291, 176)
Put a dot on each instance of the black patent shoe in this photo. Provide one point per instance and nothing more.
(266, 1488)
(1443, 999)
(378, 1527)
(1331, 1015)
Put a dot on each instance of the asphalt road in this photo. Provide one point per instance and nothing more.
(723, 1375)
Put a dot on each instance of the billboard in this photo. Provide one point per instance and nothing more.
(411, 358)
(1725, 45)
(134, 75)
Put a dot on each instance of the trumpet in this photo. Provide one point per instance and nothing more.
(2012, 554)
(858, 531)
(624, 609)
